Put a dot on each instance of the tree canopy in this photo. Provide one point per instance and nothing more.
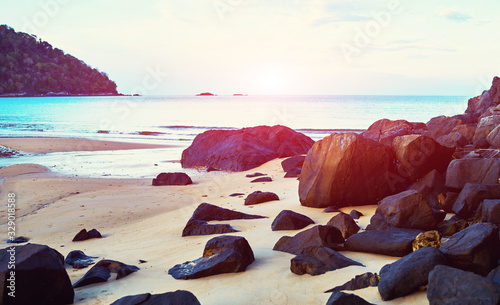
(33, 67)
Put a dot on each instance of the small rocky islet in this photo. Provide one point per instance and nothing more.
(415, 173)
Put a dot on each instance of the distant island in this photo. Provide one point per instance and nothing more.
(206, 94)
(31, 67)
(239, 94)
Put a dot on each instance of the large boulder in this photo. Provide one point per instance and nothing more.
(222, 254)
(290, 220)
(494, 137)
(489, 211)
(344, 223)
(319, 260)
(471, 197)
(407, 274)
(453, 140)
(244, 149)
(472, 170)
(431, 186)
(101, 272)
(172, 179)
(205, 212)
(419, 154)
(39, 276)
(450, 286)
(321, 236)
(179, 297)
(476, 248)
(485, 126)
(478, 105)
(441, 125)
(407, 209)
(466, 130)
(385, 130)
(344, 170)
(392, 242)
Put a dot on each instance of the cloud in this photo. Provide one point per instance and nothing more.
(455, 15)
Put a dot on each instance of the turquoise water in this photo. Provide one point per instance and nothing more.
(176, 120)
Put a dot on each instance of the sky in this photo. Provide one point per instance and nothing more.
(171, 47)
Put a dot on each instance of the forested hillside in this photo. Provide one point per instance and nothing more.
(32, 67)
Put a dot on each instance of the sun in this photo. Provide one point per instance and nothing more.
(271, 81)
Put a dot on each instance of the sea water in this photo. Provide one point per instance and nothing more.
(176, 120)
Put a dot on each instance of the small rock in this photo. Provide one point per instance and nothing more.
(289, 220)
(237, 194)
(356, 214)
(255, 175)
(319, 260)
(331, 210)
(345, 224)
(172, 179)
(262, 179)
(102, 271)
(326, 236)
(18, 240)
(179, 297)
(260, 197)
(359, 282)
(342, 298)
(427, 239)
(79, 260)
(84, 235)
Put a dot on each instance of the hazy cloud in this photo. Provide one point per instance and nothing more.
(455, 14)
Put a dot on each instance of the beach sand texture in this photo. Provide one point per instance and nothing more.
(142, 222)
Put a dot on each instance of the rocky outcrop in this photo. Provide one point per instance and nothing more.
(419, 154)
(472, 170)
(79, 260)
(359, 282)
(198, 223)
(244, 149)
(344, 223)
(36, 280)
(260, 197)
(478, 105)
(485, 126)
(172, 179)
(385, 130)
(441, 125)
(475, 249)
(392, 242)
(179, 297)
(407, 210)
(344, 170)
(448, 285)
(84, 235)
(407, 274)
(101, 272)
(222, 254)
(472, 195)
(319, 260)
(321, 236)
(290, 220)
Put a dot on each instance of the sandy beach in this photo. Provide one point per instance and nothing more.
(143, 222)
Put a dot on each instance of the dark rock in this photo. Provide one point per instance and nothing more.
(385, 130)
(40, 277)
(485, 126)
(472, 195)
(79, 260)
(293, 173)
(289, 220)
(469, 170)
(489, 211)
(448, 285)
(84, 235)
(478, 105)
(439, 215)
(407, 274)
(453, 140)
(321, 236)
(319, 260)
(476, 248)
(101, 272)
(172, 179)
(404, 210)
(441, 125)
(449, 227)
(355, 214)
(262, 179)
(293, 162)
(419, 154)
(244, 149)
(430, 186)
(211, 169)
(179, 297)
(222, 254)
(260, 197)
(481, 144)
(331, 210)
(494, 275)
(342, 298)
(237, 194)
(451, 197)
(393, 242)
(198, 223)
(345, 224)
(254, 175)
(18, 240)
(359, 282)
(346, 169)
